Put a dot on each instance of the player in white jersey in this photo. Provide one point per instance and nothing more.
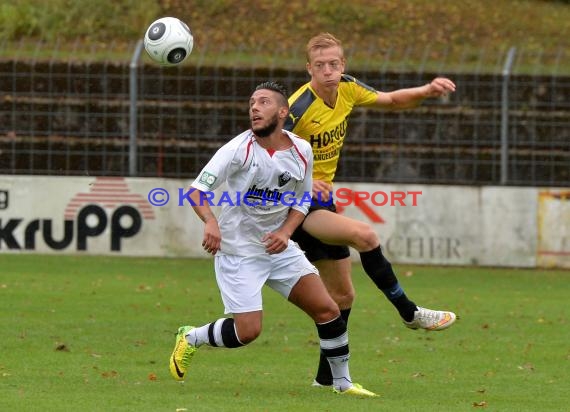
(267, 172)
(259, 187)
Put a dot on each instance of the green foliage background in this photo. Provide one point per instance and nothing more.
(531, 24)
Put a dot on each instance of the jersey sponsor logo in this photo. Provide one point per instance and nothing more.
(284, 178)
(326, 156)
(324, 139)
(208, 179)
(265, 194)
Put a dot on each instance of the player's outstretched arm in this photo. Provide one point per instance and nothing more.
(414, 96)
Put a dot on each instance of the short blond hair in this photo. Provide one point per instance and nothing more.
(323, 41)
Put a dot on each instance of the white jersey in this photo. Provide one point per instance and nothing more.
(261, 187)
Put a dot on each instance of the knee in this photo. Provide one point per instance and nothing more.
(248, 333)
(327, 313)
(345, 297)
(366, 239)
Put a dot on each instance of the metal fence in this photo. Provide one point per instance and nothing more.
(507, 123)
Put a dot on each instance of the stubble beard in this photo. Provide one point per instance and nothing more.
(267, 130)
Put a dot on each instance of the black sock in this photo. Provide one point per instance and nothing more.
(324, 374)
(380, 271)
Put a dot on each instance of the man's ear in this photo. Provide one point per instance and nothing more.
(283, 112)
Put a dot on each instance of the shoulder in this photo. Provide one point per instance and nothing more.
(301, 144)
(349, 81)
(241, 140)
(301, 92)
(238, 147)
(299, 104)
(298, 140)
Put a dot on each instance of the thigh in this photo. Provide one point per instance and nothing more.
(332, 228)
(240, 280)
(314, 248)
(287, 268)
(317, 250)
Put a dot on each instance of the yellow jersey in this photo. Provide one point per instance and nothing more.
(324, 127)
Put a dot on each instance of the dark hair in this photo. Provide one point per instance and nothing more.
(271, 85)
(276, 87)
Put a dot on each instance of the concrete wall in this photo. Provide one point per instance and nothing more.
(420, 224)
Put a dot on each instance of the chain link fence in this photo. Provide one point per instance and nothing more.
(507, 123)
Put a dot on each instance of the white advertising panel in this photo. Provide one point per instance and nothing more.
(420, 224)
(95, 215)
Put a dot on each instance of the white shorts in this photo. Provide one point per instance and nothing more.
(241, 278)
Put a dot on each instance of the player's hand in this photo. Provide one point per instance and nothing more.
(275, 242)
(212, 237)
(440, 86)
(321, 191)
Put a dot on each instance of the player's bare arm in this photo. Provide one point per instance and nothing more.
(212, 236)
(414, 96)
(276, 242)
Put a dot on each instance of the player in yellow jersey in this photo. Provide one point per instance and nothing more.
(319, 112)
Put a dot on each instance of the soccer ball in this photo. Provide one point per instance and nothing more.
(168, 41)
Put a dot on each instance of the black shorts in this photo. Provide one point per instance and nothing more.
(313, 247)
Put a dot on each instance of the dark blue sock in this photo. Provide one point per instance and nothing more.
(380, 271)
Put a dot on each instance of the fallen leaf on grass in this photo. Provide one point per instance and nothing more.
(527, 367)
(152, 377)
(143, 288)
(62, 347)
(481, 404)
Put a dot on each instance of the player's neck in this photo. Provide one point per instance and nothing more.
(327, 94)
(277, 140)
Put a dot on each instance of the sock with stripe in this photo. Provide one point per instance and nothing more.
(221, 333)
(334, 345)
(324, 374)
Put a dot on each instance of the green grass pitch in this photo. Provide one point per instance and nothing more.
(84, 333)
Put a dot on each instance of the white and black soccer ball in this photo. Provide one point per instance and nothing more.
(168, 41)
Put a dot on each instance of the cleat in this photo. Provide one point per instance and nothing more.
(431, 319)
(319, 385)
(357, 390)
(182, 354)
